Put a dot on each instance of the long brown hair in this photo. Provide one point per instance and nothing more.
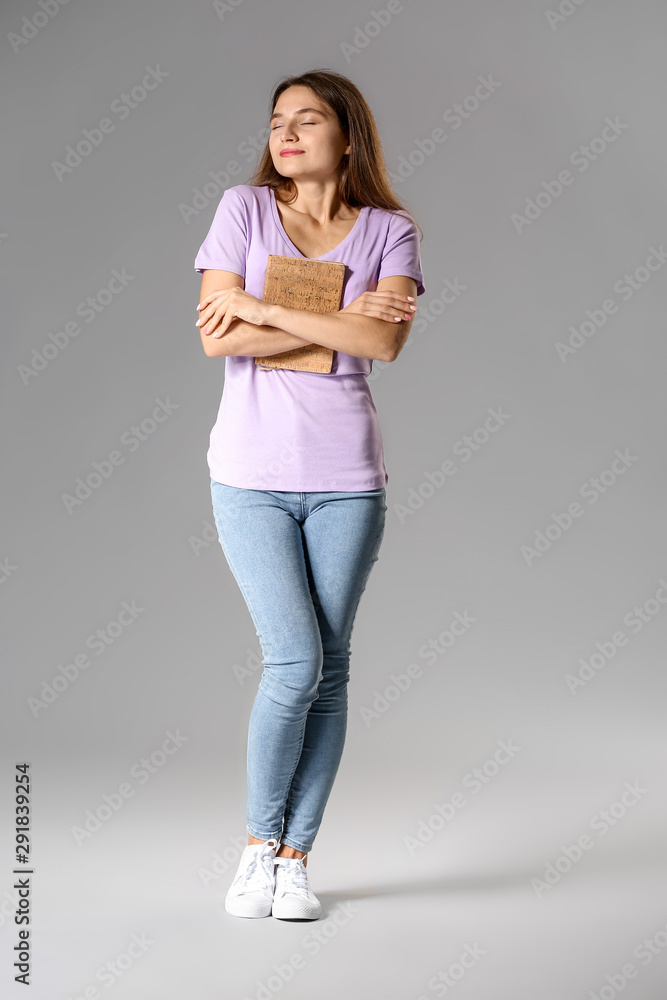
(363, 178)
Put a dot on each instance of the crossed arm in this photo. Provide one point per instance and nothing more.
(366, 328)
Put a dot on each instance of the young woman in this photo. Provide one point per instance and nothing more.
(296, 458)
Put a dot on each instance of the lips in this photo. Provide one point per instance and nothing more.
(291, 152)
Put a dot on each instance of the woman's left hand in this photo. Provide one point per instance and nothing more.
(217, 310)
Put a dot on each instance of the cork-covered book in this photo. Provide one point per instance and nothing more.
(302, 283)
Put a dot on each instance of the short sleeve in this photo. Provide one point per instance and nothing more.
(224, 248)
(401, 253)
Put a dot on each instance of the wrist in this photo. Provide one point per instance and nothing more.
(274, 315)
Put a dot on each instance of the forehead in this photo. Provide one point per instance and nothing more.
(296, 100)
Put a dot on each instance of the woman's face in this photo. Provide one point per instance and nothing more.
(301, 121)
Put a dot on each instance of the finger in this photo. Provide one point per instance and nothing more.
(222, 329)
(397, 303)
(395, 296)
(209, 326)
(206, 312)
(213, 295)
(403, 310)
(205, 324)
(387, 314)
(224, 323)
(209, 312)
(204, 317)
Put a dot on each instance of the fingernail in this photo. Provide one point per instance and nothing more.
(411, 298)
(198, 322)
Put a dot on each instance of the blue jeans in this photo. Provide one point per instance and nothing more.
(302, 562)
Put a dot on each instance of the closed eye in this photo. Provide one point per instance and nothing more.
(303, 123)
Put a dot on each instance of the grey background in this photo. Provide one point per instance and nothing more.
(410, 915)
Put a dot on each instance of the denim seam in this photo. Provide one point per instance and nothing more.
(264, 836)
(296, 764)
(297, 846)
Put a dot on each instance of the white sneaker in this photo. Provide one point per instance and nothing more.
(251, 892)
(293, 898)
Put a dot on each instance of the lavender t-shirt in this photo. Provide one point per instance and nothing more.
(279, 429)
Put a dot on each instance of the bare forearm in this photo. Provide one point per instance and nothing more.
(250, 340)
(352, 333)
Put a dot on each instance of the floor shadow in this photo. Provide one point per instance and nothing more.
(484, 881)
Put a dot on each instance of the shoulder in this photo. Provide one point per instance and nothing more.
(395, 228)
(391, 224)
(246, 204)
(400, 222)
(248, 195)
(240, 205)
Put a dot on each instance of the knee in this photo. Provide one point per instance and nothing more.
(293, 684)
(336, 667)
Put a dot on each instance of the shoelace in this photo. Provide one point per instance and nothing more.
(296, 876)
(258, 873)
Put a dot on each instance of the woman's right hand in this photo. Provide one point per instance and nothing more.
(387, 305)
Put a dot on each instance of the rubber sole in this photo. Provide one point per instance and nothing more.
(295, 910)
(238, 908)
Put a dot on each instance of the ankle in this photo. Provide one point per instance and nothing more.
(285, 851)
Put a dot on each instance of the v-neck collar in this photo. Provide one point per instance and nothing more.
(287, 240)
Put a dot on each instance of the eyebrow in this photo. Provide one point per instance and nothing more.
(280, 114)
